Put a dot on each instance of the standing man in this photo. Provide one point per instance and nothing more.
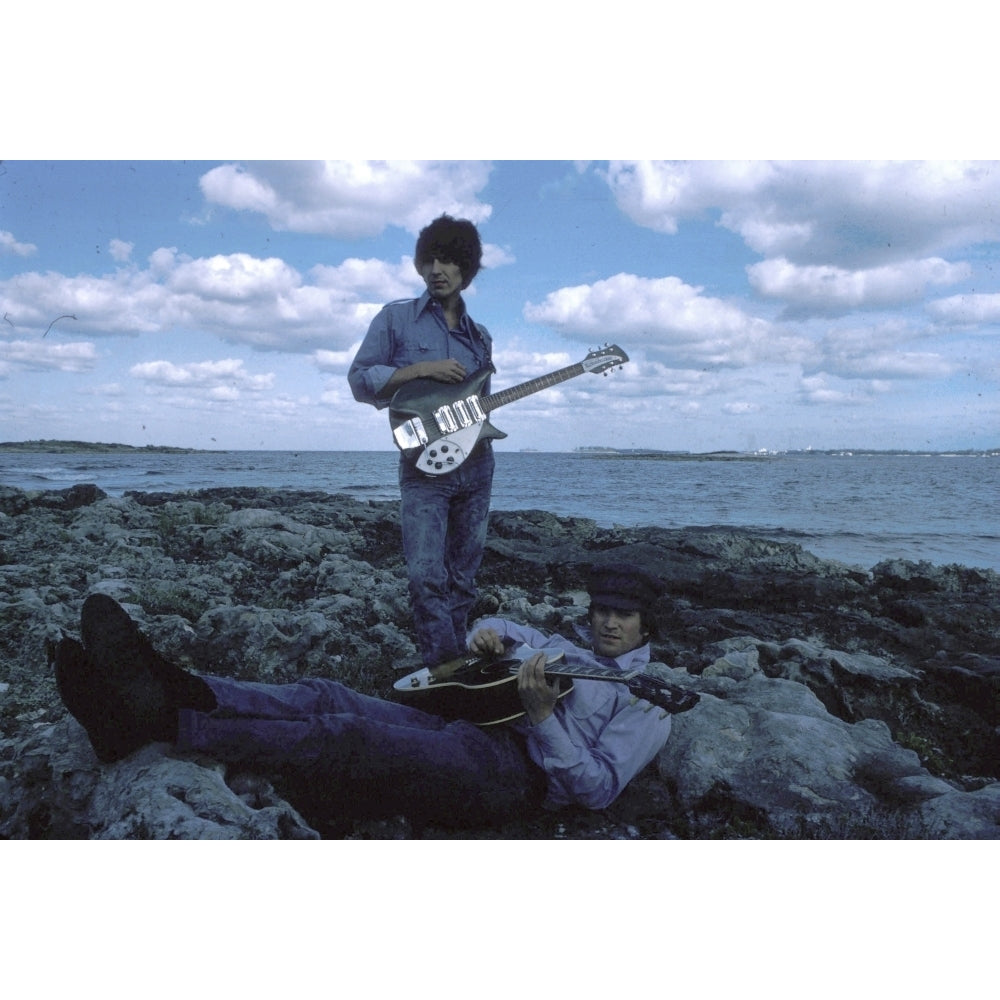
(443, 517)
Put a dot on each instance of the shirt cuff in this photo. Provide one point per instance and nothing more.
(554, 743)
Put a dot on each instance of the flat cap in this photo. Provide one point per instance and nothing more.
(623, 586)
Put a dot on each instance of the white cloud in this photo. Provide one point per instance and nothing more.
(375, 280)
(962, 310)
(223, 379)
(240, 298)
(672, 321)
(850, 213)
(350, 199)
(494, 256)
(828, 289)
(8, 244)
(738, 408)
(120, 250)
(38, 355)
(817, 390)
(337, 362)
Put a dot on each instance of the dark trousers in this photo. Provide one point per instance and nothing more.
(444, 521)
(350, 756)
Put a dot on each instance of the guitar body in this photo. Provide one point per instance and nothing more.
(437, 425)
(476, 689)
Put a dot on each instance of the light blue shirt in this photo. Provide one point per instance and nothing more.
(595, 741)
(410, 330)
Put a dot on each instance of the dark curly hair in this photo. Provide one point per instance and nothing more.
(453, 240)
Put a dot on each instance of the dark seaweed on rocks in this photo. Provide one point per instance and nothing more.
(835, 703)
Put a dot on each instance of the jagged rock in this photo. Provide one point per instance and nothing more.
(835, 702)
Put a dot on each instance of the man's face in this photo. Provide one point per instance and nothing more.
(442, 277)
(616, 631)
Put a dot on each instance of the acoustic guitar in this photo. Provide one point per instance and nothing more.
(483, 689)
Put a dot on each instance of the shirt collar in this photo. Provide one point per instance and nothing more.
(425, 302)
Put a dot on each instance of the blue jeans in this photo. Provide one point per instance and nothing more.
(444, 520)
(348, 756)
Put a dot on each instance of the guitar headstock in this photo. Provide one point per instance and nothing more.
(671, 698)
(604, 360)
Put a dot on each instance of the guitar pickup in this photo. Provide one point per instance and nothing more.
(462, 412)
(478, 416)
(445, 419)
(410, 434)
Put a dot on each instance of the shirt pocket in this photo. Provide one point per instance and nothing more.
(411, 351)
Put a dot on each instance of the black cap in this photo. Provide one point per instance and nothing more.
(623, 586)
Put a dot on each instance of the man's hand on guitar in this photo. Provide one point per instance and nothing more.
(486, 642)
(537, 695)
(448, 370)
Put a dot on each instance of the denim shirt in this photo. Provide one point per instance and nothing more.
(595, 741)
(410, 330)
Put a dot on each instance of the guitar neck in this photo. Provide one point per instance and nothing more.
(504, 396)
(593, 672)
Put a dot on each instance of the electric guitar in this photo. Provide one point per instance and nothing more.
(437, 425)
(483, 689)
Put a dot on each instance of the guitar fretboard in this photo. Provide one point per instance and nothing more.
(594, 672)
(504, 396)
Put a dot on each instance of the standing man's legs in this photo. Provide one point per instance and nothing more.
(444, 520)
(470, 510)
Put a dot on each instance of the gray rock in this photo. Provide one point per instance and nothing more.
(835, 702)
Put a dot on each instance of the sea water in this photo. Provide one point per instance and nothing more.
(857, 509)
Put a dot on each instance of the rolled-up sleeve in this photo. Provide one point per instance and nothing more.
(371, 369)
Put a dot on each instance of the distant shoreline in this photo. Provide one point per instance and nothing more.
(49, 446)
(96, 448)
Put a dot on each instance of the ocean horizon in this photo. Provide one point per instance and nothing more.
(857, 507)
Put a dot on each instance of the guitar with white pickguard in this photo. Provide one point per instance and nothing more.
(436, 425)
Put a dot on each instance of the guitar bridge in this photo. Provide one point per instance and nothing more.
(410, 434)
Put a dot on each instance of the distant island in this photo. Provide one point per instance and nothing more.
(596, 451)
(94, 447)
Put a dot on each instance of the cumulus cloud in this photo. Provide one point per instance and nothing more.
(851, 214)
(120, 250)
(827, 289)
(966, 310)
(878, 351)
(350, 199)
(336, 361)
(819, 390)
(670, 319)
(225, 378)
(42, 356)
(262, 302)
(8, 244)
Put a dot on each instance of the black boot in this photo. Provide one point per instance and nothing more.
(118, 687)
(82, 691)
(114, 642)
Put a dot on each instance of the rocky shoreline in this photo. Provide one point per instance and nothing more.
(835, 703)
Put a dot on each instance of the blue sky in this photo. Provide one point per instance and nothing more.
(764, 304)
